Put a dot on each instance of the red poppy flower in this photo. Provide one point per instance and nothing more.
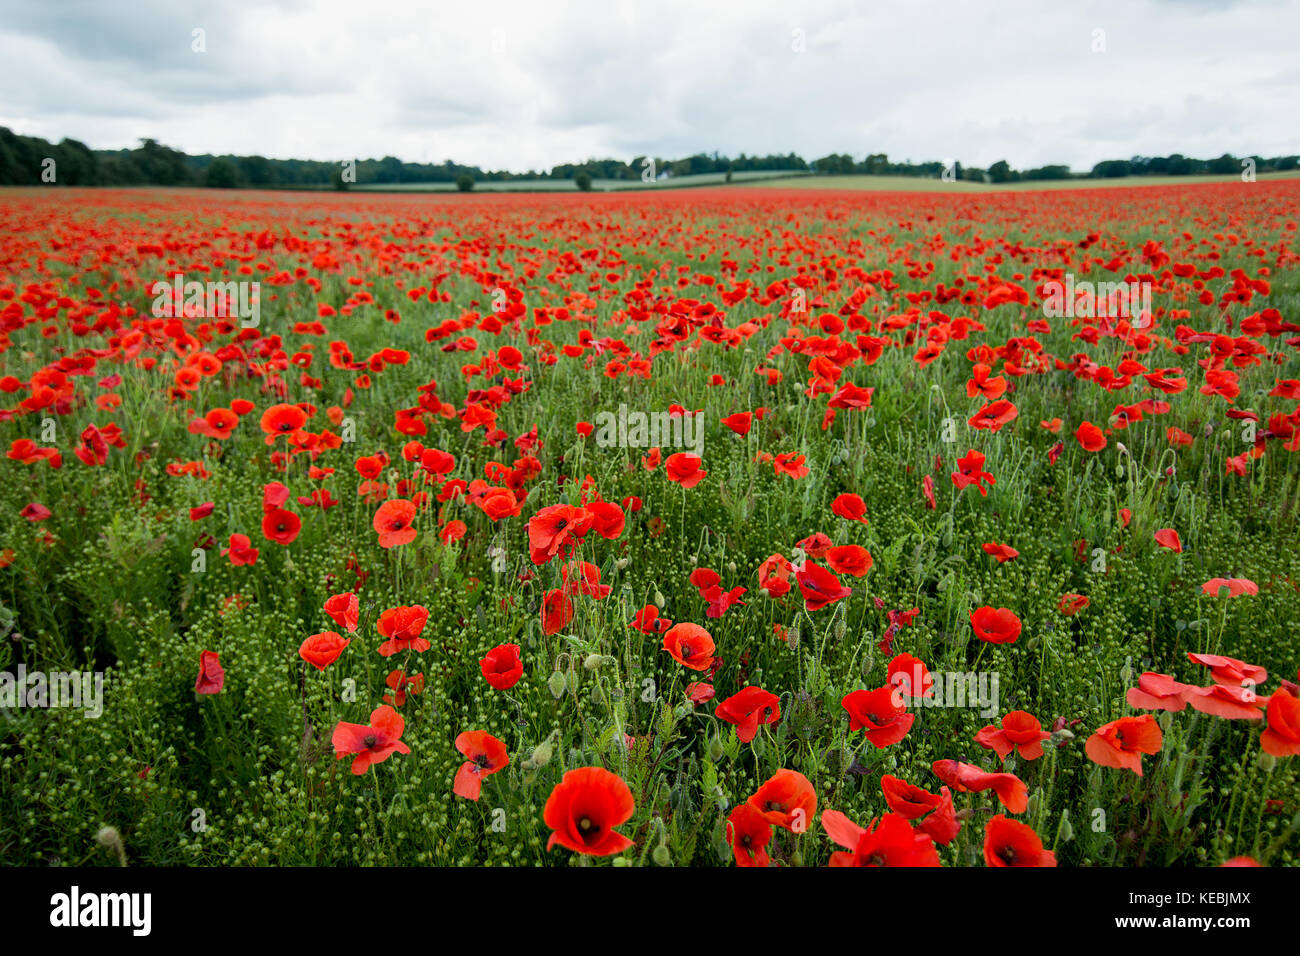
(402, 626)
(964, 777)
(850, 559)
(555, 530)
(684, 469)
(282, 420)
(557, 611)
(890, 841)
(1011, 843)
(1072, 604)
(740, 422)
(1090, 437)
(1282, 737)
(607, 519)
(393, 523)
(1158, 692)
(281, 526)
(850, 507)
(749, 833)
(344, 609)
(690, 645)
(485, 755)
(994, 415)
(1229, 670)
(583, 810)
(748, 709)
(787, 800)
(905, 799)
(1020, 731)
(1168, 538)
(239, 550)
(1003, 552)
(502, 666)
(819, 587)
(774, 576)
(371, 743)
(648, 621)
(402, 684)
(995, 625)
(879, 714)
(970, 471)
(1229, 587)
(212, 676)
(1226, 701)
(35, 511)
(790, 464)
(323, 649)
(910, 678)
(1121, 743)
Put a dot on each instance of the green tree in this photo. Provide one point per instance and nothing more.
(221, 174)
(583, 180)
(464, 182)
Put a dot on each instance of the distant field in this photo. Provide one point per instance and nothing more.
(916, 184)
(600, 185)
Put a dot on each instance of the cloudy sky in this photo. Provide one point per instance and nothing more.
(526, 85)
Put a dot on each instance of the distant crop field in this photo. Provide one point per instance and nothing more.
(597, 185)
(907, 184)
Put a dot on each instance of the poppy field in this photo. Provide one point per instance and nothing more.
(727, 527)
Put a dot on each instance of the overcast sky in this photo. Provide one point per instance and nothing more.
(527, 85)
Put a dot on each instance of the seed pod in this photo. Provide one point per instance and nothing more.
(592, 661)
(542, 754)
(557, 684)
(661, 856)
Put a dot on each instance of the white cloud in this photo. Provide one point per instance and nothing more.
(522, 85)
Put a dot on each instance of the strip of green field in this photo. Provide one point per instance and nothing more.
(921, 184)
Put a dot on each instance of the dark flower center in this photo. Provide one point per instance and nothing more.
(370, 741)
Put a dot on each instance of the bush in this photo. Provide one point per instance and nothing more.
(465, 182)
(583, 181)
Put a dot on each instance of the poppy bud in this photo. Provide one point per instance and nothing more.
(109, 837)
(659, 600)
(1032, 806)
(621, 563)
(1067, 831)
(573, 683)
(592, 661)
(1267, 761)
(715, 749)
(792, 638)
(731, 567)
(661, 856)
(594, 696)
(542, 754)
(557, 684)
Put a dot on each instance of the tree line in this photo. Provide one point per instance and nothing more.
(30, 160)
